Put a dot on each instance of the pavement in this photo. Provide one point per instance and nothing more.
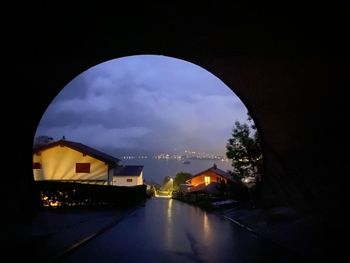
(52, 233)
(305, 234)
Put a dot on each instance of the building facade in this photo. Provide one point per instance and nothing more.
(128, 175)
(69, 161)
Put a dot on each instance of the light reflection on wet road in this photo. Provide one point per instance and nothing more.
(167, 230)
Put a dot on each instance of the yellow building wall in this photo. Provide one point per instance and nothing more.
(58, 163)
(37, 173)
(122, 180)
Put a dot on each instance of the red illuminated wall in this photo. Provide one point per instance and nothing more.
(200, 178)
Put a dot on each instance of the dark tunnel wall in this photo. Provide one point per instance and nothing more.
(289, 71)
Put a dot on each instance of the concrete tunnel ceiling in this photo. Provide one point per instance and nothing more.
(290, 83)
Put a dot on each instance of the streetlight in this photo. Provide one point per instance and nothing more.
(171, 186)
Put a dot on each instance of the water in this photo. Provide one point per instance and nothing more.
(155, 170)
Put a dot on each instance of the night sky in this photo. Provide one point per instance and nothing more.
(145, 104)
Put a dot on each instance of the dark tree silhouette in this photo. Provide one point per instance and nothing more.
(244, 149)
(181, 178)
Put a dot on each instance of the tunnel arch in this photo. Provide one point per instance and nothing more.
(244, 75)
(257, 82)
(291, 72)
(283, 77)
(167, 59)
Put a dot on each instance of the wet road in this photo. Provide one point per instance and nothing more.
(166, 230)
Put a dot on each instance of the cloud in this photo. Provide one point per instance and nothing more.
(98, 136)
(152, 102)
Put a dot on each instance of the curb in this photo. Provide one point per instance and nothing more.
(261, 236)
(85, 240)
(240, 224)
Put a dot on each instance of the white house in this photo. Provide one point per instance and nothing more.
(128, 175)
(75, 162)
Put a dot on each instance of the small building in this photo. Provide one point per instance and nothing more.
(128, 175)
(208, 180)
(69, 161)
(213, 174)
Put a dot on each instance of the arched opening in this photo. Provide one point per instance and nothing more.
(143, 110)
(287, 73)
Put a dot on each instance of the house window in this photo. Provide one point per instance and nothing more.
(207, 180)
(129, 180)
(82, 167)
(36, 165)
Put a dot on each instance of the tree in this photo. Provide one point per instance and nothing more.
(244, 149)
(180, 178)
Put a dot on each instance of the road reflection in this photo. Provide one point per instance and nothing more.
(167, 230)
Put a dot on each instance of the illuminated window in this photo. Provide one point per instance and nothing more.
(129, 180)
(207, 180)
(82, 167)
(36, 165)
